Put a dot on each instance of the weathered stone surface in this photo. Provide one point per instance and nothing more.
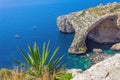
(99, 57)
(74, 71)
(101, 24)
(64, 24)
(97, 51)
(108, 69)
(116, 47)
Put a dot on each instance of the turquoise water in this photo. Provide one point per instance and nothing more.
(35, 21)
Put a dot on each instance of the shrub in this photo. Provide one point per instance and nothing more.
(66, 76)
(5, 73)
(37, 63)
(14, 74)
(63, 76)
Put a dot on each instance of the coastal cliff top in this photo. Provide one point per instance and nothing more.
(105, 9)
(100, 10)
(93, 13)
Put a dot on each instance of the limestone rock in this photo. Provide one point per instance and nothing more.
(74, 71)
(99, 57)
(116, 47)
(108, 69)
(64, 24)
(88, 55)
(97, 51)
(101, 24)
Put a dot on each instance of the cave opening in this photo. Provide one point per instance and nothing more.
(103, 35)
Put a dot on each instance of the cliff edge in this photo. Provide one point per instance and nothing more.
(101, 24)
(108, 69)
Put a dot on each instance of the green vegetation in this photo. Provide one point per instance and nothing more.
(66, 76)
(14, 74)
(37, 62)
(62, 75)
(4, 72)
(117, 7)
(83, 13)
(82, 48)
(39, 66)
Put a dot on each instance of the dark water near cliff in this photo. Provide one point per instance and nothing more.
(35, 21)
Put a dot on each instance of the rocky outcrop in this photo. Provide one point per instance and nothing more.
(108, 69)
(64, 25)
(116, 47)
(101, 24)
(99, 56)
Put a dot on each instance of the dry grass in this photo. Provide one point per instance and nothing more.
(16, 74)
(104, 9)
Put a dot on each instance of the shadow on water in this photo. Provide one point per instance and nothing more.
(92, 44)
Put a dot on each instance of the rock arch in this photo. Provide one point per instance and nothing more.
(105, 30)
(96, 31)
(89, 23)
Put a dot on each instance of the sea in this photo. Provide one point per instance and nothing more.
(24, 22)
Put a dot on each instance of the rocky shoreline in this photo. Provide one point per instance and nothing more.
(109, 69)
(101, 24)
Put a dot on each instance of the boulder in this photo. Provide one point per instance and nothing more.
(108, 69)
(97, 51)
(116, 47)
(101, 24)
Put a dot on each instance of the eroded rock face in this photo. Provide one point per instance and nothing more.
(101, 24)
(116, 47)
(64, 24)
(106, 31)
(108, 69)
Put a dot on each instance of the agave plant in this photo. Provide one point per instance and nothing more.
(37, 62)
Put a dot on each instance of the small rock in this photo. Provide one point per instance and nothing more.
(88, 55)
(116, 47)
(97, 51)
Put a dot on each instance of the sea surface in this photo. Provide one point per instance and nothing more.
(35, 21)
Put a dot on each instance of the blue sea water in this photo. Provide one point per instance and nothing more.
(35, 21)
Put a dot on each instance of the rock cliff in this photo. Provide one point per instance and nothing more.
(101, 24)
(108, 69)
